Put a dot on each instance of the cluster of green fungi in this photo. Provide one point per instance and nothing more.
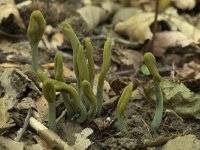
(81, 103)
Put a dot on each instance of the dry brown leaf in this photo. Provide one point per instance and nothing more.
(8, 8)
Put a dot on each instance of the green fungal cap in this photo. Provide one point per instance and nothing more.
(36, 27)
(150, 62)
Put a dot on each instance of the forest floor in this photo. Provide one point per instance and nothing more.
(129, 24)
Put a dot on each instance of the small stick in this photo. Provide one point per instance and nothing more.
(23, 129)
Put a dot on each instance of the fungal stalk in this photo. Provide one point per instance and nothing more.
(150, 62)
(104, 70)
(58, 73)
(49, 93)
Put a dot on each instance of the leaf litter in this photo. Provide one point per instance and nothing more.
(134, 24)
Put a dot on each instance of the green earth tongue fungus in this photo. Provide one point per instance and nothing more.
(150, 62)
(35, 32)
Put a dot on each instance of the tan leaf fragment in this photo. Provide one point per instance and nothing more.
(137, 28)
(6, 122)
(166, 39)
(93, 15)
(82, 142)
(9, 144)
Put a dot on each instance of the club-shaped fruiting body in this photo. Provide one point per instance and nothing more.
(92, 98)
(49, 93)
(35, 31)
(80, 101)
(123, 100)
(36, 27)
(58, 73)
(84, 66)
(89, 55)
(150, 62)
(102, 76)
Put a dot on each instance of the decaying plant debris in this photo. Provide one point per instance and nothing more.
(131, 29)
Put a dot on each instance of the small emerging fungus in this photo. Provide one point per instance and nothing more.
(58, 73)
(150, 62)
(35, 31)
(126, 94)
(104, 70)
(81, 103)
(49, 93)
(89, 54)
(91, 97)
(75, 45)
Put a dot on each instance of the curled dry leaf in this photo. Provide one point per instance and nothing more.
(137, 28)
(176, 97)
(9, 8)
(164, 40)
(93, 15)
(9, 144)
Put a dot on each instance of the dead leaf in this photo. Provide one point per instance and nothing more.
(42, 108)
(127, 57)
(137, 28)
(8, 144)
(189, 70)
(35, 147)
(117, 86)
(164, 40)
(6, 122)
(186, 4)
(176, 97)
(82, 142)
(9, 8)
(124, 14)
(93, 15)
(11, 79)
